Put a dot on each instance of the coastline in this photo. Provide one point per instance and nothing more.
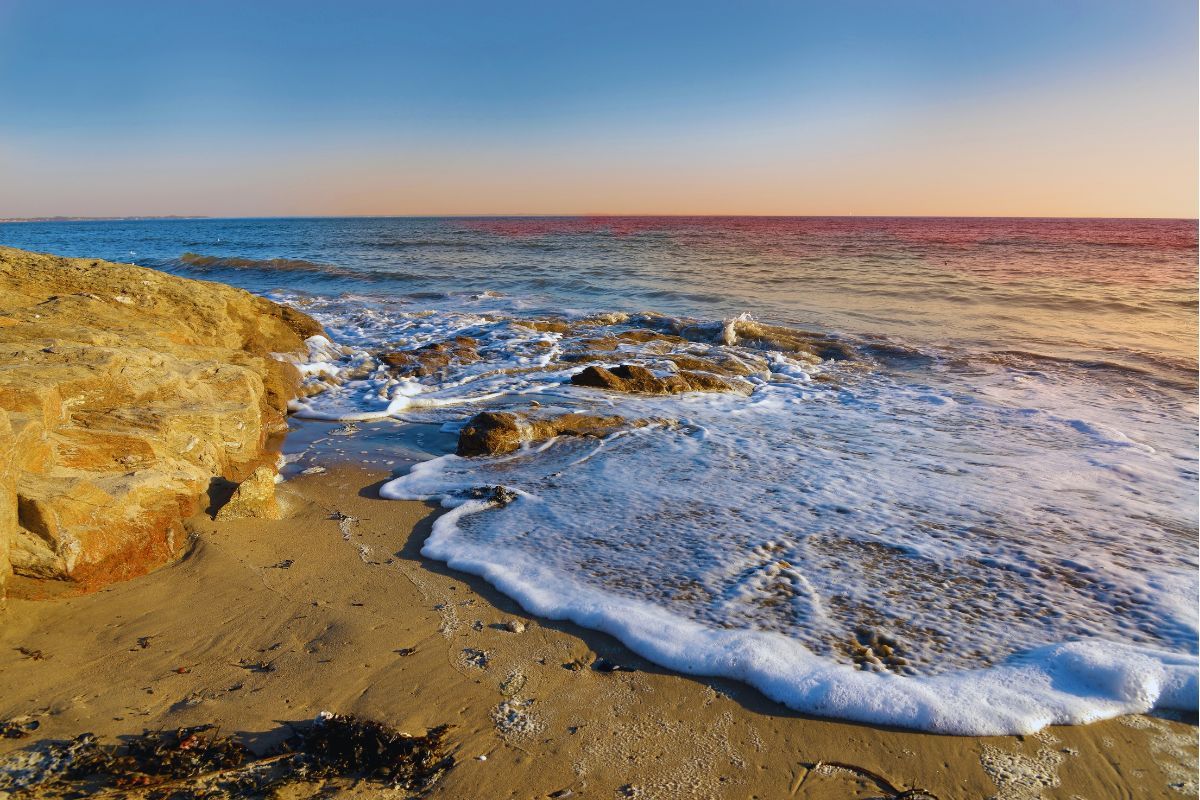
(338, 587)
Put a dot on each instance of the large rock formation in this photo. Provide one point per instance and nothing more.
(123, 393)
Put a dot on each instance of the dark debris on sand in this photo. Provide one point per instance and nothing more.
(198, 762)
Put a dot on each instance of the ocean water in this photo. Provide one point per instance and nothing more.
(953, 485)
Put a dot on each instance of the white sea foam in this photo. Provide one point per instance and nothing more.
(1025, 541)
(1069, 683)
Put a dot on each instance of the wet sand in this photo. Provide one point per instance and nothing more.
(333, 608)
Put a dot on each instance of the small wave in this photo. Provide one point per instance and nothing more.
(1069, 683)
(1170, 372)
(198, 261)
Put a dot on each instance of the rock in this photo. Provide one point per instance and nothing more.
(546, 325)
(720, 363)
(637, 379)
(431, 358)
(497, 495)
(254, 497)
(748, 333)
(625, 378)
(8, 499)
(514, 626)
(644, 335)
(492, 433)
(125, 392)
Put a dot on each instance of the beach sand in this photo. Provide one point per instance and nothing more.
(337, 600)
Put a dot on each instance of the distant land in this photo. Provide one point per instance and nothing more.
(98, 219)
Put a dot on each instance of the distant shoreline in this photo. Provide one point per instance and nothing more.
(101, 219)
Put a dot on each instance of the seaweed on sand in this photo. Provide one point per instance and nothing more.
(337, 746)
(198, 762)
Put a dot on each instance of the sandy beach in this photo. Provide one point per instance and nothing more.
(655, 401)
(262, 623)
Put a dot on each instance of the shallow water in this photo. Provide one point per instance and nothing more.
(979, 517)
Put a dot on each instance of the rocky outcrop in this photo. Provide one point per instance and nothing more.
(123, 393)
(637, 379)
(491, 433)
(254, 498)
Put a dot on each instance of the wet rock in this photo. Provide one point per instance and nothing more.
(125, 391)
(491, 433)
(432, 358)
(497, 495)
(547, 325)
(644, 335)
(748, 333)
(625, 378)
(720, 363)
(253, 498)
(634, 378)
(499, 432)
(876, 651)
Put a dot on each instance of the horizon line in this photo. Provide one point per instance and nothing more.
(574, 215)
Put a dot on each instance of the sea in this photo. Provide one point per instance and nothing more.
(952, 486)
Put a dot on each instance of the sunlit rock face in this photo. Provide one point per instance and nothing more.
(123, 393)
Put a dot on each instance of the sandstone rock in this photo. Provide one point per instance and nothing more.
(254, 497)
(646, 336)
(637, 379)
(492, 433)
(748, 333)
(8, 499)
(431, 358)
(547, 325)
(719, 363)
(125, 392)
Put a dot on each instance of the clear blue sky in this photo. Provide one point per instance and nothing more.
(442, 107)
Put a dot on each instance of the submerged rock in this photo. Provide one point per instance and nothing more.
(635, 378)
(123, 392)
(254, 497)
(432, 358)
(491, 433)
(498, 495)
(546, 325)
(748, 333)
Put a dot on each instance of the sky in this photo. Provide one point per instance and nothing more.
(961, 108)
